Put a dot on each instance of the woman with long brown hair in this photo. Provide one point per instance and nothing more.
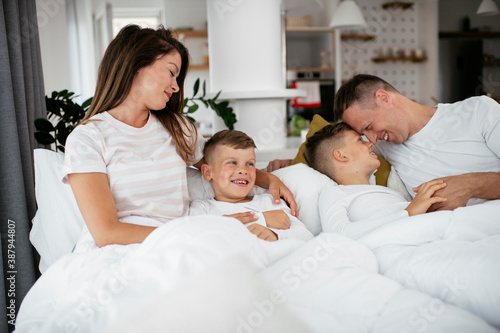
(126, 162)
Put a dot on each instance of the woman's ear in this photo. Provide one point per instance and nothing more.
(338, 155)
(206, 172)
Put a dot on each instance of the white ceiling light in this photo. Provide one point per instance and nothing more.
(348, 15)
(487, 8)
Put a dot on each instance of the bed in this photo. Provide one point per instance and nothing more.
(208, 273)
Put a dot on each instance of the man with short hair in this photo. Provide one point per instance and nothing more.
(458, 143)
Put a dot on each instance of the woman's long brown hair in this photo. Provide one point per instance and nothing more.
(132, 49)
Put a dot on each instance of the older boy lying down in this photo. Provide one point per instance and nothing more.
(341, 153)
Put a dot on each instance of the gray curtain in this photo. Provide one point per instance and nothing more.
(21, 101)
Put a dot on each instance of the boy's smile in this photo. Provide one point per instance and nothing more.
(233, 174)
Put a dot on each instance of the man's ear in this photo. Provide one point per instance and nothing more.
(338, 155)
(206, 172)
(382, 96)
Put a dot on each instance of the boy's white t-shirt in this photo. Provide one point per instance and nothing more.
(146, 174)
(259, 204)
(460, 138)
(355, 210)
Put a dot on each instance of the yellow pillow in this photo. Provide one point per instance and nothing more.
(318, 123)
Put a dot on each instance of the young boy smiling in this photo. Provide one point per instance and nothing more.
(230, 168)
(341, 153)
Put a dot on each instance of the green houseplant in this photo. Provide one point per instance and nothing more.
(67, 114)
(61, 109)
(222, 109)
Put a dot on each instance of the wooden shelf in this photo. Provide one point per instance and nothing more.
(192, 33)
(397, 5)
(480, 34)
(309, 69)
(385, 59)
(491, 63)
(364, 38)
(309, 29)
(198, 67)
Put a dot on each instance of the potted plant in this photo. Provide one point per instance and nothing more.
(62, 109)
(222, 109)
(67, 113)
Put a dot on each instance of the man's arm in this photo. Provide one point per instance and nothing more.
(459, 189)
(278, 164)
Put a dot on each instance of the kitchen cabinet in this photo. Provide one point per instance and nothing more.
(310, 49)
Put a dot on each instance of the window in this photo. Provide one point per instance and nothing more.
(144, 17)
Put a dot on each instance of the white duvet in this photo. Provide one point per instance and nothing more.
(210, 274)
(451, 255)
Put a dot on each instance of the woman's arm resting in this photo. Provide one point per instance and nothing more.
(94, 198)
(277, 189)
(459, 189)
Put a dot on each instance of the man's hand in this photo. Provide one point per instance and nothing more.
(262, 232)
(278, 164)
(426, 196)
(245, 217)
(457, 193)
(277, 219)
(459, 189)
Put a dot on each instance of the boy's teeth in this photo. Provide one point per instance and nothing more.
(385, 136)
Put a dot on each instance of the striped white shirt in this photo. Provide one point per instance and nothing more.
(146, 175)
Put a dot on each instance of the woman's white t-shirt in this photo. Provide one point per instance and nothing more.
(146, 174)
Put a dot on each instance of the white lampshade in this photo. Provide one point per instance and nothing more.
(348, 15)
(487, 8)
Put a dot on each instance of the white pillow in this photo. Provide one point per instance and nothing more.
(58, 223)
(306, 185)
(394, 182)
(198, 187)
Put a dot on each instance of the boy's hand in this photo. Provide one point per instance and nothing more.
(424, 198)
(245, 217)
(277, 219)
(262, 232)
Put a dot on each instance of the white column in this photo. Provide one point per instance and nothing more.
(244, 45)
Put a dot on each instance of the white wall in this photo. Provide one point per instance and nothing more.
(415, 28)
(53, 33)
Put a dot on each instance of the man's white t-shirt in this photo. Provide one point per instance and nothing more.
(146, 174)
(460, 138)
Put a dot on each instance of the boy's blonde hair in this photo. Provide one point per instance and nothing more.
(234, 139)
(320, 146)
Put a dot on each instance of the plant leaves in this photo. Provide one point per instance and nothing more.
(204, 89)
(43, 125)
(87, 103)
(217, 96)
(193, 108)
(196, 86)
(44, 138)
